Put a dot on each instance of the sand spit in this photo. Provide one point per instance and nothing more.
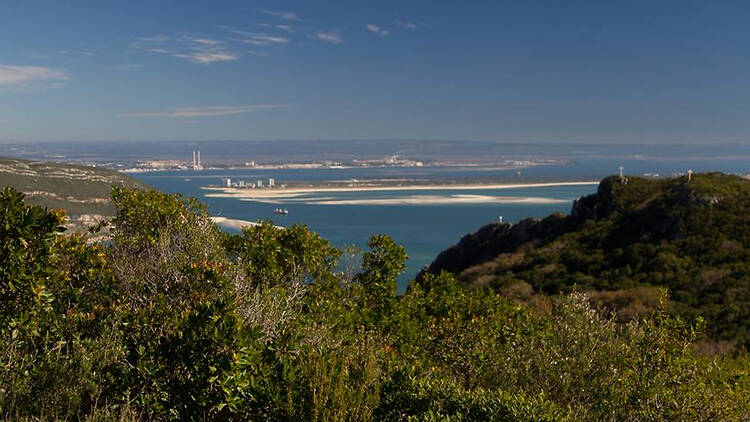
(441, 200)
(295, 192)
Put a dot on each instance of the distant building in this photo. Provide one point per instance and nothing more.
(197, 160)
(241, 183)
(227, 182)
(271, 182)
(259, 184)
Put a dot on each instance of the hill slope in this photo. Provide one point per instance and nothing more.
(82, 191)
(622, 242)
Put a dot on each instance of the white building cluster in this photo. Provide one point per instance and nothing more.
(227, 182)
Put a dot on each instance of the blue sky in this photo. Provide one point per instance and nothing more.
(508, 71)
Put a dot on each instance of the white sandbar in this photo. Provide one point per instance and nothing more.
(440, 200)
(294, 192)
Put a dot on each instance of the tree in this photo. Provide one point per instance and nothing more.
(381, 266)
(271, 255)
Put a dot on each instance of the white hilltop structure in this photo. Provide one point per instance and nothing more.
(197, 160)
(623, 180)
(690, 175)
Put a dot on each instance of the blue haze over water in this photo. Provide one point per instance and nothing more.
(424, 230)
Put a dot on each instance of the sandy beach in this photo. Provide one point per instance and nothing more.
(222, 192)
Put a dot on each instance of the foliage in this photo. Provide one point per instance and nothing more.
(54, 315)
(412, 398)
(628, 240)
(270, 255)
(174, 320)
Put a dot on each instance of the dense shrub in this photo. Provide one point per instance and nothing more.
(174, 320)
(630, 239)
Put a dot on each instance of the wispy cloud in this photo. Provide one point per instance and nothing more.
(411, 26)
(330, 37)
(260, 39)
(377, 30)
(280, 14)
(227, 46)
(195, 112)
(36, 77)
(202, 57)
(285, 28)
(197, 49)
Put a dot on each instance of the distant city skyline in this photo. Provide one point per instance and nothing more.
(502, 71)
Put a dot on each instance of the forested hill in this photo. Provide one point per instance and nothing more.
(690, 236)
(84, 192)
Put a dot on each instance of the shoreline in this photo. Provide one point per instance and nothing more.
(223, 192)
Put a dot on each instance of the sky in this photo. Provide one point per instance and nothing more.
(506, 71)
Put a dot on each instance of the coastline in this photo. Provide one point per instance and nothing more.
(223, 192)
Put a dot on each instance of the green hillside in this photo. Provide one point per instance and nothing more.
(622, 244)
(80, 190)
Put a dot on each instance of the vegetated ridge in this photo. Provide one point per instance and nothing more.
(82, 191)
(621, 244)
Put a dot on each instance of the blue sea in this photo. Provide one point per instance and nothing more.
(423, 229)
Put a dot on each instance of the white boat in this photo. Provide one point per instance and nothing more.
(281, 211)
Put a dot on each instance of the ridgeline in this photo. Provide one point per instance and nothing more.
(82, 191)
(622, 244)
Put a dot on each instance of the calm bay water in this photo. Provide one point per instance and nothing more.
(424, 230)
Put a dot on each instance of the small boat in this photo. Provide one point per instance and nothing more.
(281, 211)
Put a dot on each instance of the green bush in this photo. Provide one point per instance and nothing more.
(173, 320)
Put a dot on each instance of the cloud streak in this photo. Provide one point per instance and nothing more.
(196, 112)
(196, 49)
(280, 14)
(377, 30)
(229, 46)
(28, 76)
(259, 39)
(329, 37)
